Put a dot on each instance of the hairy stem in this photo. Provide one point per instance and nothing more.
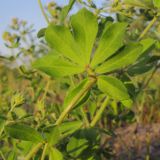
(148, 28)
(33, 151)
(86, 88)
(43, 12)
(100, 111)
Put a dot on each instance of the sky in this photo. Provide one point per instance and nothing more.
(26, 10)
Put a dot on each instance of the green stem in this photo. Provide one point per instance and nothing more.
(43, 12)
(100, 111)
(44, 151)
(33, 151)
(2, 156)
(85, 117)
(148, 27)
(86, 88)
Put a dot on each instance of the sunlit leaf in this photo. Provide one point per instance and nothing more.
(55, 154)
(61, 39)
(114, 88)
(85, 27)
(110, 42)
(57, 66)
(122, 59)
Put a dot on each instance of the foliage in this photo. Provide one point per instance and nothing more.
(94, 76)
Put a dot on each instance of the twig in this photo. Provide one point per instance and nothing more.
(43, 12)
(33, 151)
(148, 27)
(100, 111)
(75, 100)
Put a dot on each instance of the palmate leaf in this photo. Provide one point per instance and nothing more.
(126, 57)
(85, 28)
(23, 132)
(110, 42)
(114, 88)
(57, 66)
(61, 39)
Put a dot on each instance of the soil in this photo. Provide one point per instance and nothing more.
(137, 142)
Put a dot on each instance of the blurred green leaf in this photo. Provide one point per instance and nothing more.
(67, 128)
(66, 9)
(12, 156)
(41, 33)
(76, 146)
(55, 133)
(156, 3)
(55, 154)
(23, 132)
(147, 44)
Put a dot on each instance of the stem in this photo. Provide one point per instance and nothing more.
(2, 156)
(150, 78)
(43, 12)
(33, 151)
(148, 27)
(86, 88)
(44, 151)
(46, 89)
(100, 111)
(85, 117)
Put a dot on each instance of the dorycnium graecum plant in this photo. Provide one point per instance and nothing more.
(81, 49)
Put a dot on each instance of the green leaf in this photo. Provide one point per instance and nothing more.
(66, 9)
(23, 132)
(55, 154)
(139, 3)
(73, 93)
(156, 3)
(25, 146)
(41, 33)
(110, 42)
(124, 58)
(2, 124)
(12, 156)
(56, 66)
(142, 66)
(55, 133)
(147, 44)
(67, 128)
(76, 146)
(85, 28)
(61, 39)
(113, 88)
